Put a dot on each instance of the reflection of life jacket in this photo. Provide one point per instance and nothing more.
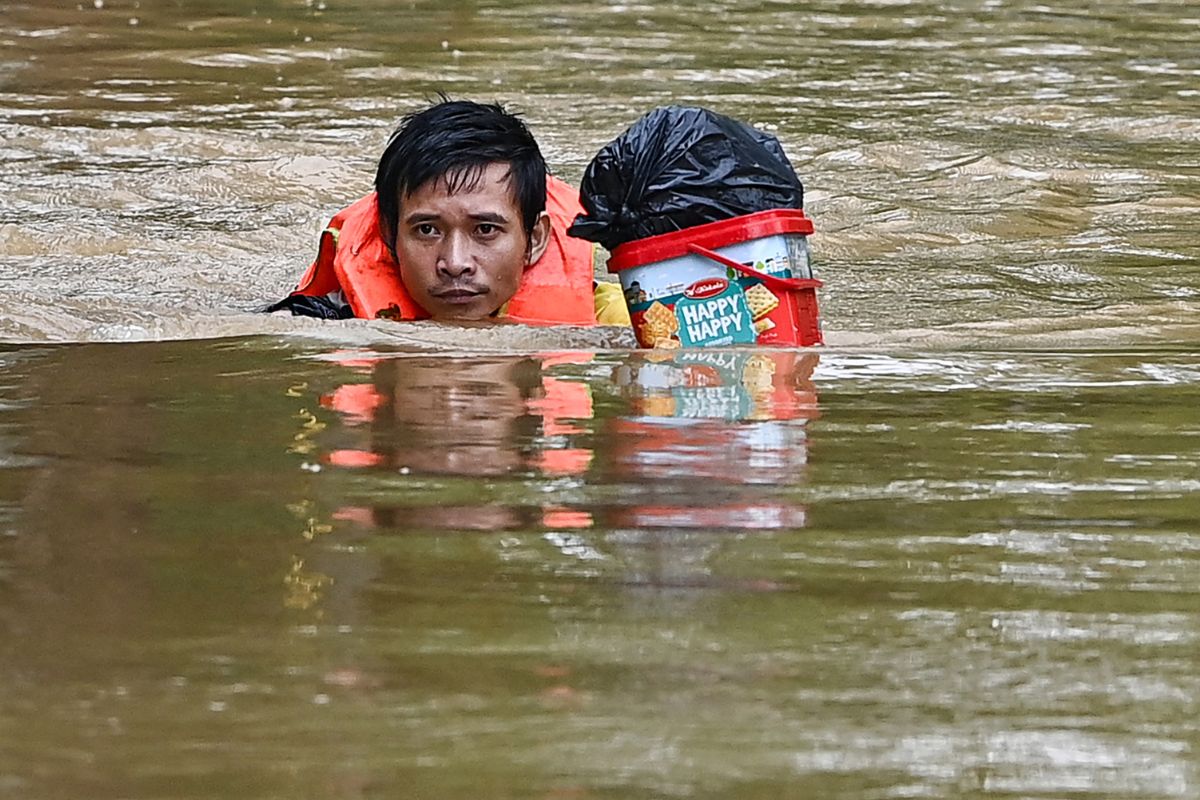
(352, 257)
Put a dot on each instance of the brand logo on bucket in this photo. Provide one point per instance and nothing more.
(713, 312)
(708, 287)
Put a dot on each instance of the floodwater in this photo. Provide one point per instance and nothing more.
(953, 554)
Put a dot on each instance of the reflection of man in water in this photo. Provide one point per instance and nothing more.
(477, 418)
(456, 418)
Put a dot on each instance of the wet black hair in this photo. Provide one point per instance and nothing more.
(455, 141)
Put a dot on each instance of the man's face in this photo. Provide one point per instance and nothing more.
(462, 255)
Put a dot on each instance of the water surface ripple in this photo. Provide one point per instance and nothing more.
(597, 575)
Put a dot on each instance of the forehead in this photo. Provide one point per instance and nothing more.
(489, 187)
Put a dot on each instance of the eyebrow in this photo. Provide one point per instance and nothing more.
(483, 216)
(487, 216)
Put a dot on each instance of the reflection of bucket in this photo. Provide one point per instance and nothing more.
(722, 384)
(709, 431)
(709, 473)
(745, 280)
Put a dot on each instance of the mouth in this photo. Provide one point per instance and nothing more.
(459, 295)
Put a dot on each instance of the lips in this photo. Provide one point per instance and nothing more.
(458, 295)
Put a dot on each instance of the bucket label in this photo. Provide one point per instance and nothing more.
(713, 311)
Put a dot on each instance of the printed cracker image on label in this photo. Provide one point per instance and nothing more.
(761, 300)
(659, 326)
(713, 311)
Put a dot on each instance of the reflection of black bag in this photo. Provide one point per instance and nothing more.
(677, 167)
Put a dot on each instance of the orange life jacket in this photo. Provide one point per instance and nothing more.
(352, 256)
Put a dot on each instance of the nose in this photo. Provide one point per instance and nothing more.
(454, 260)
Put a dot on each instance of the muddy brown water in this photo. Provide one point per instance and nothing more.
(952, 554)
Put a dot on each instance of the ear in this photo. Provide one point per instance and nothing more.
(539, 239)
(387, 234)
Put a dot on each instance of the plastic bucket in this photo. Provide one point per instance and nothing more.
(745, 280)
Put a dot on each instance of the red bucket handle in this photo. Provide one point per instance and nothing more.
(772, 282)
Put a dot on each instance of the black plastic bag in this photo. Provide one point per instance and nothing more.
(330, 306)
(678, 167)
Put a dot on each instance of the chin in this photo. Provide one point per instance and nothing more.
(456, 314)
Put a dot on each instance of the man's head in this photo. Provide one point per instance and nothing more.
(462, 198)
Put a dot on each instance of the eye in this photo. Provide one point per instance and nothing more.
(487, 229)
(426, 229)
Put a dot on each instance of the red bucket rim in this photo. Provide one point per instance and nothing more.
(711, 235)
